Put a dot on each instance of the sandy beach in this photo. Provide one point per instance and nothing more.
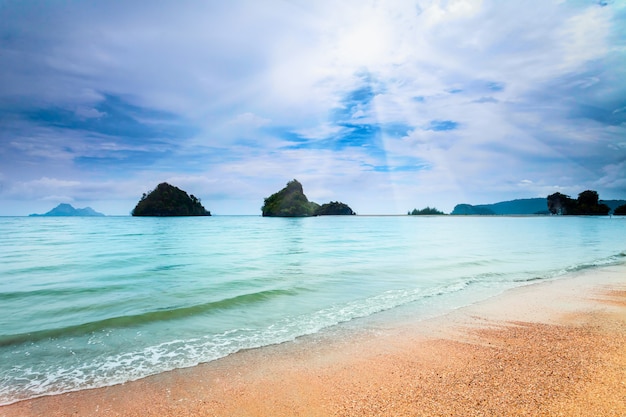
(548, 349)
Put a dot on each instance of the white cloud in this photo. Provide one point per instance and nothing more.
(528, 87)
(584, 37)
(320, 131)
(249, 120)
(42, 188)
(88, 113)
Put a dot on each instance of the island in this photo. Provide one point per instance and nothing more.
(334, 208)
(69, 211)
(587, 204)
(292, 202)
(427, 211)
(168, 201)
(289, 202)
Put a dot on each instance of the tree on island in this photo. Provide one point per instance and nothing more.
(587, 204)
(560, 204)
(167, 200)
(425, 212)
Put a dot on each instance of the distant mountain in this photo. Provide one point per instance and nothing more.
(524, 206)
(68, 210)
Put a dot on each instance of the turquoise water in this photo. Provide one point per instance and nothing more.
(88, 302)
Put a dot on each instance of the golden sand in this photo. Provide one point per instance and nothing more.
(566, 358)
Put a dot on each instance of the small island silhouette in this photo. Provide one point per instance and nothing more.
(67, 210)
(167, 201)
(587, 204)
(334, 208)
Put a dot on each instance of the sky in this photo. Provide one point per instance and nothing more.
(384, 105)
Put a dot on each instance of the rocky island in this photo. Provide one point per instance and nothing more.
(334, 208)
(167, 200)
(67, 210)
(291, 202)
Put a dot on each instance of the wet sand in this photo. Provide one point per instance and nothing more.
(549, 349)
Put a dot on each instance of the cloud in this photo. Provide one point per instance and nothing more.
(249, 120)
(418, 97)
(89, 113)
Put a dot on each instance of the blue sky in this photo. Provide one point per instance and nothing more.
(384, 105)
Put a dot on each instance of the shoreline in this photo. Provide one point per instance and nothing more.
(541, 349)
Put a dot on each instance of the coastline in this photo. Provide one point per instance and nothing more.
(547, 348)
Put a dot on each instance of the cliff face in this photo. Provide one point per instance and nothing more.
(289, 202)
(167, 200)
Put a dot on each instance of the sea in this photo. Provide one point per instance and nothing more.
(88, 302)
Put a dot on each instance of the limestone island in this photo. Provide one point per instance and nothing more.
(334, 208)
(291, 202)
(66, 210)
(168, 201)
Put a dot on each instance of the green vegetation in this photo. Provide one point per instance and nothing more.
(587, 204)
(167, 200)
(334, 208)
(425, 211)
(620, 211)
(289, 202)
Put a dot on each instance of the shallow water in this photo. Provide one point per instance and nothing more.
(87, 302)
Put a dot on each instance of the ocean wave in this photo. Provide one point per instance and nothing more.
(597, 263)
(136, 320)
(601, 262)
(114, 369)
(58, 292)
